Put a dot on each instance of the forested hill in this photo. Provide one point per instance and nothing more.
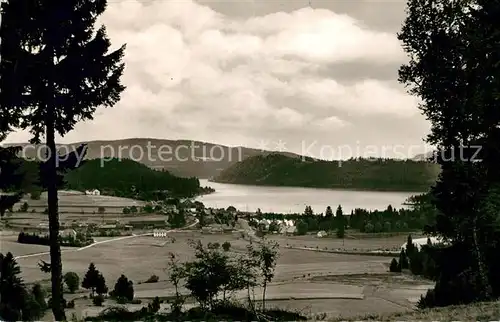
(127, 178)
(362, 174)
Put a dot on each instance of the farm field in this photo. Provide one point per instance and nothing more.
(75, 207)
(307, 281)
(76, 202)
(369, 244)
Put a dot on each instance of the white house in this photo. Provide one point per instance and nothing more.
(67, 233)
(290, 230)
(93, 192)
(321, 234)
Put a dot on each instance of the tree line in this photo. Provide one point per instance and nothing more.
(80, 240)
(453, 69)
(415, 218)
(130, 179)
(356, 173)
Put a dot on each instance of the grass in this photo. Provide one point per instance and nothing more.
(484, 311)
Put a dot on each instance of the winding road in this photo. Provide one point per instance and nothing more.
(104, 241)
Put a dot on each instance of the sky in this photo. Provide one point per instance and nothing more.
(316, 78)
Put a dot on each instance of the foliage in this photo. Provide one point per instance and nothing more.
(35, 195)
(175, 276)
(12, 291)
(152, 279)
(72, 281)
(389, 220)
(371, 174)
(16, 302)
(177, 219)
(154, 306)
(302, 227)
(403, 260)
(124, 288)
(94, 281)
(130, 179)
(70, 241)
(210, 273)
(452, 68)
(226, 246)
(223, 311)
(394, 266)
(52, 78)
(265, 257)
(98, 300)
(341, 231)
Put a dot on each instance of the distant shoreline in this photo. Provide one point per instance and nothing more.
(381, 190)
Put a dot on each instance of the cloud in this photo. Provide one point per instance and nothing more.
(192, 72)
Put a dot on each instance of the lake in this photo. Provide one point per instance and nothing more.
(294, 200)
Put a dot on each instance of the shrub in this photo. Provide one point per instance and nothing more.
(120, 299)
(71, 304)
(154, 306)
(152, 279)
(72, 281)
(136, 301)
(98, 300)
(403, 260)
(226, 246)
(24, 207)
(35, 195)
(394, 267)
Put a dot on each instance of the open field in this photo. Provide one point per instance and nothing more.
(486, 311)
(333, 243)
(76, 202)
(34, 220)
(312, 282)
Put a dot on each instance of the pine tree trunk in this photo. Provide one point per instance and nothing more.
(485, 287)
(55, 249)
(264, 297)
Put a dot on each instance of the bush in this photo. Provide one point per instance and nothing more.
(120, 299)
(35, 195)
(71, 304)
(98, 300)
(394, 267)
(403, 260)
(136, 301)
(72, 281)
(24, 207)
(226, 246)
(152, 279)
(154, 306)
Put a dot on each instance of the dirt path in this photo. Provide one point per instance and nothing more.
(103, 242)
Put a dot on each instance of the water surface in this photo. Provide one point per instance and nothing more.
(294, 200)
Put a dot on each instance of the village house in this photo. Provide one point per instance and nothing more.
(321, 234)
(67, 233)
(291, 230)
(93, 192)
